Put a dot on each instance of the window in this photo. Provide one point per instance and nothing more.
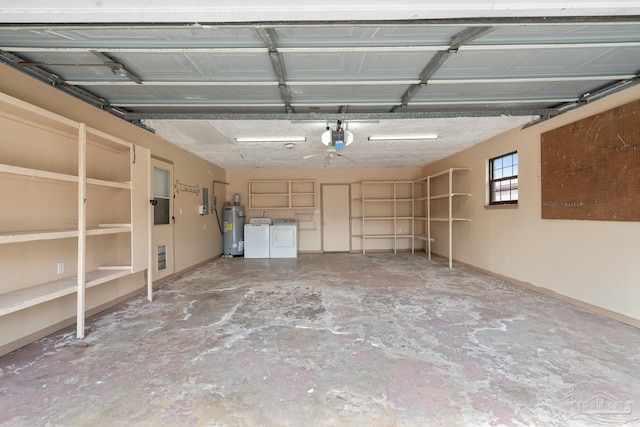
(503, 179)
(161, 196)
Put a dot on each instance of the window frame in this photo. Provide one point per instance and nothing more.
(492, 180)
(161, 196)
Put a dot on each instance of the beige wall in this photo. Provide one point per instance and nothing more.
(196, 237)
(310, 236)
(596, 262)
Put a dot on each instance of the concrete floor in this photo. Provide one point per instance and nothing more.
(331, 340)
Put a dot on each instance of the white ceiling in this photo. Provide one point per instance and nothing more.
(201, 74)
(214, 140)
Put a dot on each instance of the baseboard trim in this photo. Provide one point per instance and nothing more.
(158, 283)
(631, 321)
(21, 342)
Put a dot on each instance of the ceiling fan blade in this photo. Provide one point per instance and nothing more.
(348, 158)
(308, 156)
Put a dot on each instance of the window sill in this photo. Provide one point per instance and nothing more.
(503, 206)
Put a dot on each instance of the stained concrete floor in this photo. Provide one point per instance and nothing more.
(331, 340)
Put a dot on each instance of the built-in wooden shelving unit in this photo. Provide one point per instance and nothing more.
(61, 181)
(431, 191)
(386, 213)
(282, 194)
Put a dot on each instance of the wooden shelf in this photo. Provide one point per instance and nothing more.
(439, 196)
(446, 196)
(28, 297)
(282, 194)
(30, 115)
(389, 236)
(110, 184)
(106, 274)
(30, 236)
(104, 140)
(109, 229)
(444, 172)
(37, 173)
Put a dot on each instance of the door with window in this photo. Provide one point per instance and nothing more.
(336, 226)
(163, 219)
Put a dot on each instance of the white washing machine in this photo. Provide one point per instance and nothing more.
(256, 238)
(284, 238)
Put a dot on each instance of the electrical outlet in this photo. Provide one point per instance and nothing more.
(60, 267)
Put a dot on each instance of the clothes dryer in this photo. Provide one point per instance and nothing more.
(284, 238)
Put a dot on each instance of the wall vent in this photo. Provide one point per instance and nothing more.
(162, 257)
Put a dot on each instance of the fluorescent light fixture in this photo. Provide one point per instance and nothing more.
(403, 137)
(271, 139)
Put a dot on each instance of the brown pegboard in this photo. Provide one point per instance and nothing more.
(591, 168)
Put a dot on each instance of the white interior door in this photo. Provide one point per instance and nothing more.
(163, 219)
(336, 226)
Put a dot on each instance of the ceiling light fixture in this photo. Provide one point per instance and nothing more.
(271, 139)
(328, 137)
(338, 138)
(403, 137)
